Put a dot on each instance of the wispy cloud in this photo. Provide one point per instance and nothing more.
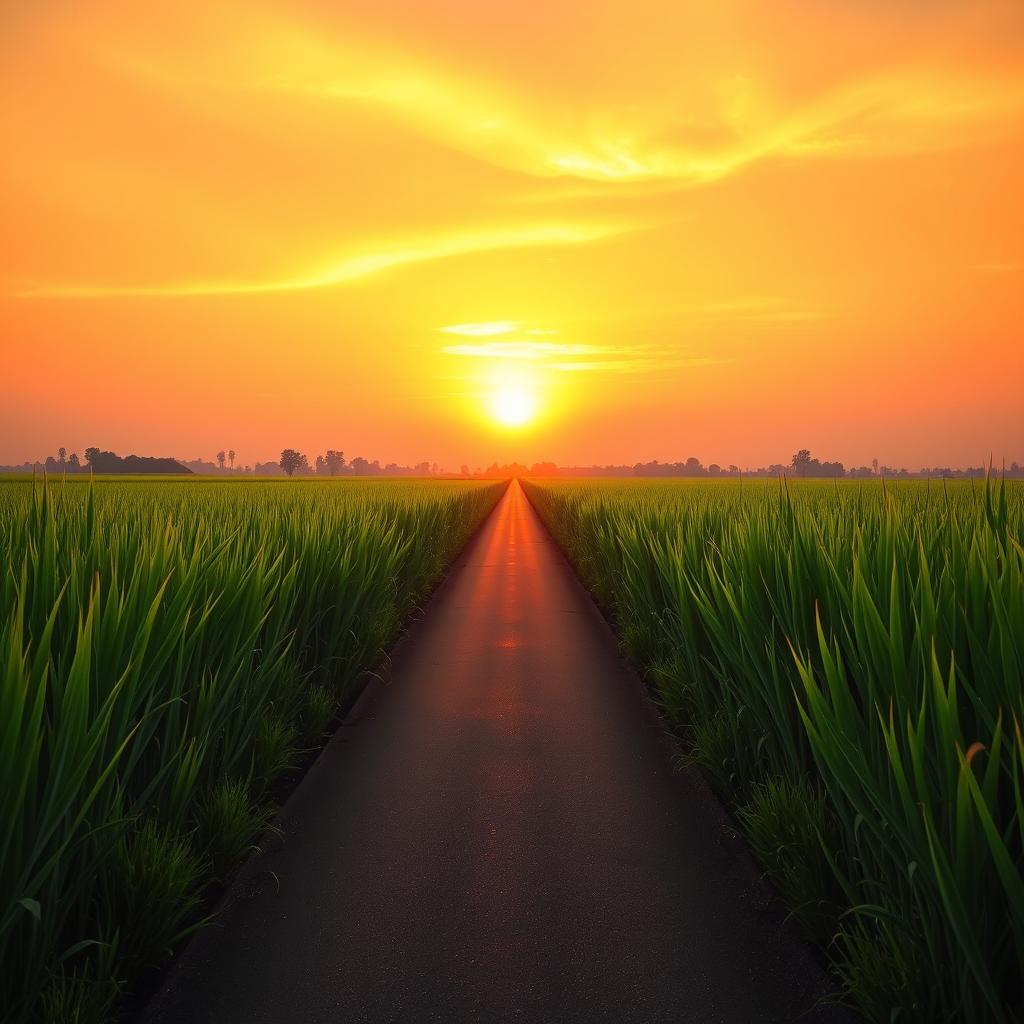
(626, 359)
(482, 329)
(517, 341)
(526, 350)
(350, 268)
(875, 114)
(637, 364)
(728, 122)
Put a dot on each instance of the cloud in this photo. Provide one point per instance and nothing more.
(482, 329)
(580, 357)
(871, 114)
(525, 350)
(637, 364)
(696, 125)
(491, 327)
(625, 359)
(349, 268)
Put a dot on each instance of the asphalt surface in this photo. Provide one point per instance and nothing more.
(500, 833)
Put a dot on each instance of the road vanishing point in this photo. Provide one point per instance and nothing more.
(500, 832)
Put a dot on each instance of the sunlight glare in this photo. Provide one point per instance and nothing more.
(513, 406)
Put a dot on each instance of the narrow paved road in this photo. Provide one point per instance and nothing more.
(499, 835)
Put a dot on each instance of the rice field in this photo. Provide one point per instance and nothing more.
(169, 649)
(845, 661)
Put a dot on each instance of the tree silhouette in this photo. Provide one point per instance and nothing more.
(291, 460)
(220, 458)
(802, 462)
(231, 458)
(335, 461)
(804, 465)
(62, 455)
(91, 455)
(73, 461)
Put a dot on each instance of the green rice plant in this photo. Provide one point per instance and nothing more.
(790, 830)
(162, 647)
(875, 960)
(228, 821)
(274, 749)
(865, 640)
(152, 890)
(82, 989)
(712, 745)
(317, 713)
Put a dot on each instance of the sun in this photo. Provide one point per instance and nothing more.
(513, 406)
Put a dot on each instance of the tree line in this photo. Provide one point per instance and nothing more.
(802, 464)
(333, 463)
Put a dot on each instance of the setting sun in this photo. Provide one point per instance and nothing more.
(513, 406)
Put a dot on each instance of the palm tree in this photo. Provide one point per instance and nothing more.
(231, 458)
(220, 459)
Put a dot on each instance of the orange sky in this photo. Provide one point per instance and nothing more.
(726, 230)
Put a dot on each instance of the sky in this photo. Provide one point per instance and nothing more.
(463, 231)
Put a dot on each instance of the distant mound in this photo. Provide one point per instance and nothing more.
(108, 462)
(148, 464)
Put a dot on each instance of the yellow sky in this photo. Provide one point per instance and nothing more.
(680, 228)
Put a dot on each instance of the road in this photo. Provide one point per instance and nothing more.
(500, 833)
